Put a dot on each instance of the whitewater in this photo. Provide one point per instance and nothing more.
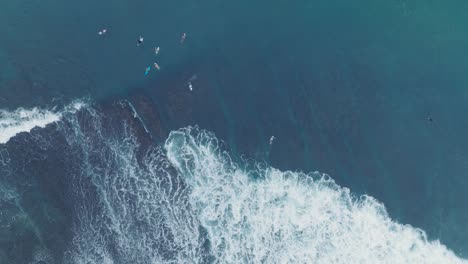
(187, 200)
(23, 120)
(265, 215)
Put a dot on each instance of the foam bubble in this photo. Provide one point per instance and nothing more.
(270, 216)
(78, 105)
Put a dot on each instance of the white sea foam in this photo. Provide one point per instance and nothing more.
(213, 210)
(42, 255)
(269, 216)
(24, 120)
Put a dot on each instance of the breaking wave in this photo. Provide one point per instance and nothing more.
(186, 200)
(23, 120)
(263, 215)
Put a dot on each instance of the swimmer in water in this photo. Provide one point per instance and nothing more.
(190, 86)
(182, 39)
(156, 66)
(140, 41)
(156, 50)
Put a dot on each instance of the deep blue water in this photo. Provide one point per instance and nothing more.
(345, 87)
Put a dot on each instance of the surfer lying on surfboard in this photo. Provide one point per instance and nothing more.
(147, 70)
(156, 66)
(139, 41)
(182, 39)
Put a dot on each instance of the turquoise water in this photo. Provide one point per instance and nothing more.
(345, 87)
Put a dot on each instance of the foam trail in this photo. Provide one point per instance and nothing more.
(24, 120)
(263, 215)
(136, 115)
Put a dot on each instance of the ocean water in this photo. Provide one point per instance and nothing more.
(100, 164)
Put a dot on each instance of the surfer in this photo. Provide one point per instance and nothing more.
(193, 78)
(147, 70)
(156, 66)
(182, 39)
(140, 41)
(272, 139)
(102, 32)
(156, 50)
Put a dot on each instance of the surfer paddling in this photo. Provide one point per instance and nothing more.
(156, 66)
(272, 139)
(182, 39)
(102, 32)
(147, 70)
(156, 50)
(193, 78)
(140, 41)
